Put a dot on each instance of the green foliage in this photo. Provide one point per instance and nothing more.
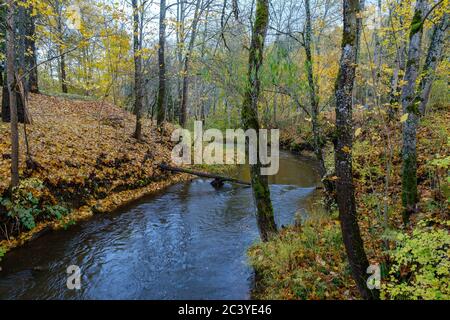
(421, 263)
(306, 262)
(25, 205)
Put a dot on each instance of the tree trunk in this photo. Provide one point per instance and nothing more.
(411, 107)
(433, 57)
(10, 70)
(162, 64)
(343, 145)
(30, 57)
(313, 92)
(137, 72)
(184, 94)
(260, 184)
(62, 59)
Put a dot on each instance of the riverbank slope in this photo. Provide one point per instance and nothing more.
(82, 159)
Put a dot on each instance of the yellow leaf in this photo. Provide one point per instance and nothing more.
(404, 117)
(346, 149)
(357, 132)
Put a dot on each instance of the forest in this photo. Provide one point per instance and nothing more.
(352, 94)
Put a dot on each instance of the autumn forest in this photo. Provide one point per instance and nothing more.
(115, 182)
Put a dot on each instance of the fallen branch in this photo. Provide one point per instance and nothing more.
(217, 182)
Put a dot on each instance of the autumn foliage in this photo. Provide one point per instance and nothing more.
(85, 157)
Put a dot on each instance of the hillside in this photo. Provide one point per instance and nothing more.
(84, 159)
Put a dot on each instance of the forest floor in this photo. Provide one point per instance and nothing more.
(84, 161)
(309, 262)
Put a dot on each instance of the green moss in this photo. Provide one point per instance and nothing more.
(262, 15)
(413, 107)
(416, 23)
(409, 185)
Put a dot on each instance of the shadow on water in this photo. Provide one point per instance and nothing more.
(186, 242)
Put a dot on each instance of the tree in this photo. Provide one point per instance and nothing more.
(351, 235)
(60, 30)
(411, 108)
(314, 99)
(137, 43)
(20, 64)
(160, 114)
(30, 52)
(10, 72)
(2, 42)
(260, 183)
(185, 89)
(433, 57)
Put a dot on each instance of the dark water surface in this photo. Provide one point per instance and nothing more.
(187, 242)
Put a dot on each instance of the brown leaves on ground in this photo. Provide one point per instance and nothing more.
(84, 152)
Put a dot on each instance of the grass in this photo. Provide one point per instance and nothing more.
(303, 262)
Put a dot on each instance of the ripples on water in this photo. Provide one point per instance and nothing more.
(187, 242)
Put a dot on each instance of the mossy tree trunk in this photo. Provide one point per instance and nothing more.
(313, 97)
(160, 115)
(260, 183)
(343, 146)
(410, 105)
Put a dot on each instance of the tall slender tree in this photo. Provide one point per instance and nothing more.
(137, 71)
(410, 107)
(10, 71)
(187, 60)
(30, 53)
(160, 114)
(433, 57)
(260, 183)
(313, 96)
(62, 59)
(351, 235)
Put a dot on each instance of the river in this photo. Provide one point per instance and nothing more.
(188, 241)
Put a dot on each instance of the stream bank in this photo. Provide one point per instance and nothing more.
(188, 241)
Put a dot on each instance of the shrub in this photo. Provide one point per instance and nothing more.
(27, 204)
(421, 263)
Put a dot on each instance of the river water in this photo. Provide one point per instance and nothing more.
(188, 241)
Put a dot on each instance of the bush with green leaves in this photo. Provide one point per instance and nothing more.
(25, 204)
(420, 266)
